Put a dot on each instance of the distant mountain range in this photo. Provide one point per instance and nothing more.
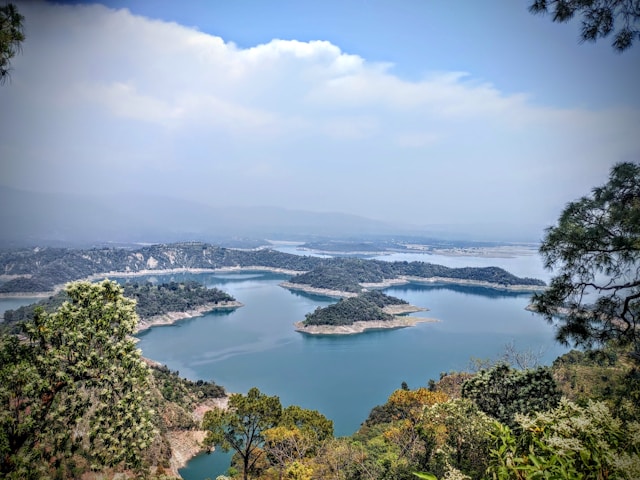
(61, 219)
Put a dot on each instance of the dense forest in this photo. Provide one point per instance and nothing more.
(348, 274)
(367, 306)
(151, 299)
(43, 269)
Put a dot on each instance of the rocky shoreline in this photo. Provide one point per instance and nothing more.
(186, 444)
(404, 280)
(360, 327)
(170, 318)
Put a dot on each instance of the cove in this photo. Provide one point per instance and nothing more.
(341, 376)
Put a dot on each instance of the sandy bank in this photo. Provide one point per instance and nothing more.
(170, 318)
(29, 294)
(402, 309)
(186, 444)
(168, 271)
(318, 291)
(360, 327)
(403, 280)
(475, 283)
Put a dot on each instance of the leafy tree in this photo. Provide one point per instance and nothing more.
(242, 425)
(502, 392)
(596, 248)
(569, 442)
(458, 435)
(599, 18)
(11, 36)
(299, 434)
(77, 382)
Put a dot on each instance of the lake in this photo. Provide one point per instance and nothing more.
(343, 377)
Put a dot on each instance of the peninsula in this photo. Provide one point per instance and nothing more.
(156, 304)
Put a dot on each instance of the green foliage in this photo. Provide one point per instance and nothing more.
(595, 249)
(310, 422)
(503, 392)
(363, 308)
(159, 299)
(241, 427)
(346, 312)
(151, 300)
(381, 299)
(180, 390)
(347, 275)
(457, 435)
(11, 36)
(298, 436)
(77, 383)
(569, 442)
(599, 18)
(602, 375)
(41, 269)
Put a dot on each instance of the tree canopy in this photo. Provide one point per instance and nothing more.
(77, 382)
(594, 251)
(242, 425)
(600, 18)
(11, 37)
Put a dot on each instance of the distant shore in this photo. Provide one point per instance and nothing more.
(404, 280)
(140, 273)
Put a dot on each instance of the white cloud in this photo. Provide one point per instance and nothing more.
(300, 113)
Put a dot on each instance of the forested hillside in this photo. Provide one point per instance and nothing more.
(42, 269)
(348, 274)
(367, 306)
(150, 300)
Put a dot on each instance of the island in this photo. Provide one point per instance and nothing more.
(156, 304)
(370, 310)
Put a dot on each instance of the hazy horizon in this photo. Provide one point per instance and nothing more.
(411, 113)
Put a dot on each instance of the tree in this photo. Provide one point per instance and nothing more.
(242, 425)
(599, 18)
(77, 382)
(571, 442)
(457, 433)
(503, 392)
(595, 251)
(299, 434)
(11, 36)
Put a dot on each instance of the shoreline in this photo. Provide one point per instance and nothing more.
(327, 292)
(171, 318)
(361, 327)
(404, 280)
(141, 273)
(187, 444)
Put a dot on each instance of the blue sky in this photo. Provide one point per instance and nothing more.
(412, 111)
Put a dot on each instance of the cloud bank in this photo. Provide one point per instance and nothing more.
(105, 101)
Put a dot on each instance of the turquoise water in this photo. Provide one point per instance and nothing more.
(341, 376)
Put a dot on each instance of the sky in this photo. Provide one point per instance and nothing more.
(410, 111)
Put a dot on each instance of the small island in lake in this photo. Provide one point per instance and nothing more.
(156, 304)
(370, 310)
